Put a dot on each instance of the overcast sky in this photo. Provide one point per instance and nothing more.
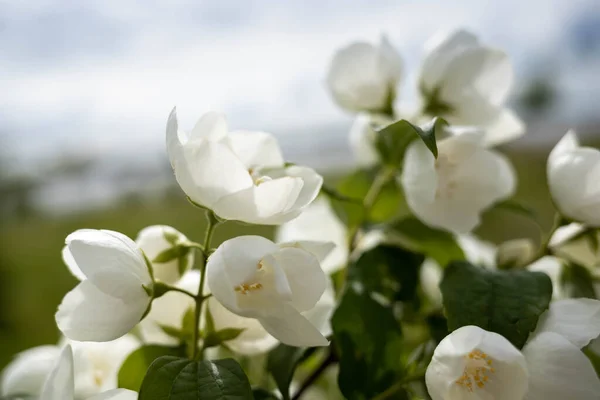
(102, 76)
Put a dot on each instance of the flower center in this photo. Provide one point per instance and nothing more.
(477, 371)
(257, 177)
(244, 288)
(99, 377)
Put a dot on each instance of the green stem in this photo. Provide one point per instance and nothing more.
(544, 249)
(212, 224)
(382, 178)
(399, 386)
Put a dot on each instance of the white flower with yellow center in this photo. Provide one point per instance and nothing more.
(275, 284)
(472, 363)
(451, 192)
(239, 175)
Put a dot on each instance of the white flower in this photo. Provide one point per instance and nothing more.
(113, 297)
(552, 267)
(472, 363)
(362, 137)
(96, 367)
(240, 175)
(566, 243)
(153, 240)
(452, 191)
(60, 383)
(364, 77)
(27, 372)
(468, 83)
(574, 180)
(255, 278)
(319, 223)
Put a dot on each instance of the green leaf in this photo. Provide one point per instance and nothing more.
(171, 237)
(578, 281)
(437, 244)
(389, 270)
(393, 140)
(370, 342)
(173, 378)
(170, 254)
(136, 364)
(505, 302)
(356, 186)
(281, 363)
(213, 339)
(262, 394)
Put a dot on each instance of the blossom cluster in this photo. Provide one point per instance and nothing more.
(348, 272)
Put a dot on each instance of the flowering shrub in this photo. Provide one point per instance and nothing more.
(399, 302)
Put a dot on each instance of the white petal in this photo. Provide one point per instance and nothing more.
(60, 383)
(293, 329)
(419, 177)
(207, 171)
(552, 267)
(152, 241)
(311, 185)
(234, 263)
(361, 76)
(71, 264)
(318, 222)
(559, 370)
(175, 139)
(110, 260)
(261, 204)
(304, 275)
(567, 143)
(507, 127)
(321, 250)
(579, 250)
(362, 140)
(439, 51)
(86, 313)
(253, 340)
(578, 320)
(116, 394)
(211, 126)
(256, 149)
(430, 276)
(26, 373)
(320, 315)
(97, 364)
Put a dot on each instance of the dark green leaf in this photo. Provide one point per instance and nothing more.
(172, 378)
(505, 302)
(213, 339)
(281, 363)
(262, 394)
(389, 270)
(392, 140)
(356, 186)
(370, 343)
(136, 364)
(437, 244)
(578, 281)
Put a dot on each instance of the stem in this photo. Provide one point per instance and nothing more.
(399, 386)
(382, 178)
(544, 249)
(176, 289)
(212, 224)
(330, 359)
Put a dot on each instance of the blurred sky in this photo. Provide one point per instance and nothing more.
(79, 77)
